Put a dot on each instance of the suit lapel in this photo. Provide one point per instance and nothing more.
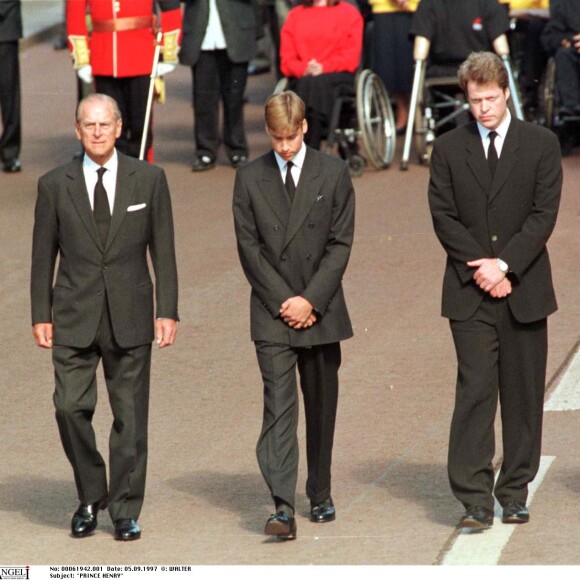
(124, 193)
(77, 190)
(305, 196)
(476, 158)
(508, 158)
(273, 189)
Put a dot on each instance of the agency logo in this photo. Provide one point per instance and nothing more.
(14, 572)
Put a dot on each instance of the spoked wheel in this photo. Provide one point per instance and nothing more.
(375, 119)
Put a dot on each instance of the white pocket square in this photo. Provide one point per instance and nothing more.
(136, 207)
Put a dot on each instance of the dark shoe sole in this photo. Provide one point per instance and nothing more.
(473, 524)
(83, 534)
(322, 520)
(280, 530)
(515, 519)
(130, 538)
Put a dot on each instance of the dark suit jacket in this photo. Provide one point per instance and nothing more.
(10, 20)
(64, 227)
(241, 22)
(510, 218)
(301, 249)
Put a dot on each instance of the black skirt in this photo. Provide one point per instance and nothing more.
(393, 51)
(319, 92)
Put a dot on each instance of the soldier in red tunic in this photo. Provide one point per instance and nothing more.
(119, 54)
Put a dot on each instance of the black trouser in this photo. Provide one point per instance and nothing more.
(11, 137)
(131, 95)
(497, 354)
(216, 77)
(277, 448)
(127, 377)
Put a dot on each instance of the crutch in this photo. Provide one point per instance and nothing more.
(150, 95)
(420, 53)
(502, 49)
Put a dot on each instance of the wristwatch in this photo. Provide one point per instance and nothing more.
(503, 266)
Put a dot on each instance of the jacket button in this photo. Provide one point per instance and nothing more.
(283, 259)
(311, 225)
(308, 256)
(494, 238)
(276, 227)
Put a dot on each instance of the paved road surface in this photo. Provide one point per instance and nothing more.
(206, 502)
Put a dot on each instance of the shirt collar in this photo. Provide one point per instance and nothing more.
(501, 129)
(110, 165)
(297, 160)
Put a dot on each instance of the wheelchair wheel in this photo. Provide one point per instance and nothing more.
(549, 93)
(356, 165)
(375, 119)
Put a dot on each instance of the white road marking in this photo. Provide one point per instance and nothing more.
(485, 548)
(566, 396)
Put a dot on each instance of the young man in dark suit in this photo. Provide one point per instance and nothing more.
(494, 194)
(294, 219)
(101, 216)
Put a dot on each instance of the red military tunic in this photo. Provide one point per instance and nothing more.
(122, 41)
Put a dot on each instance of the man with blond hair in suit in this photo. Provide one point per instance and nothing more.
(294, 219)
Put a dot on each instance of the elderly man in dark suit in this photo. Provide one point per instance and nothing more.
(219, 39)
(101, 216)
(493, 217)
(294, 219)
(11, 136)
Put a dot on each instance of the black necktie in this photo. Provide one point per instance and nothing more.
(290, 185)
(492, 153)
(101, 209)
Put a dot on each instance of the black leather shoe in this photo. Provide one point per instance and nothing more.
(127, 530)
(322, 512)
(281, 525)
(203, 163)
(477, 518)
(238, 161)
(515, 512)
(84, 520)
(12, 166)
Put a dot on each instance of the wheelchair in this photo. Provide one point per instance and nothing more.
(438, 103)
(361, 116)
(566, 128)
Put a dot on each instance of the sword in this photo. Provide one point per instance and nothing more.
(150, 95)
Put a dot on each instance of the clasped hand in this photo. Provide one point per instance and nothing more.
(490, 278)
(313, 69)
(298, 313)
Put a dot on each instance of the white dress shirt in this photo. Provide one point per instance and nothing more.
(214, 38)
(109, 178)
(298, 163)
(501, 131)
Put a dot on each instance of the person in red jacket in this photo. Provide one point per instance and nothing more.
(320, 50)
(119, 55)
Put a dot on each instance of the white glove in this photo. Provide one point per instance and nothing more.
(164, 68)
(85, 73)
